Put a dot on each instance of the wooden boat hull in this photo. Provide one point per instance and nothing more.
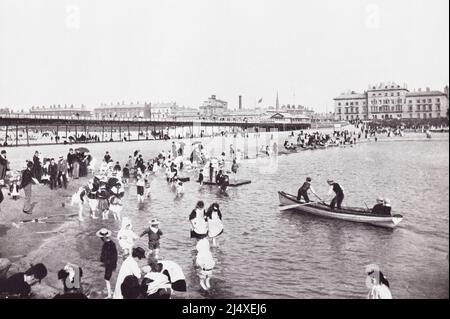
(297, 150)
(280, 152)
(232, 183)
(357, 215)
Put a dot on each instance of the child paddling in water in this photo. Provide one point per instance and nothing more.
(140, 185)
(201, 177)
(154, 234)
(115, 205)
(126, 236)
(103, 203)
(205, 262)
(14, 189)
(179, 188)
(147, 185)
(91, 194)
(215, 225)
(234, 170)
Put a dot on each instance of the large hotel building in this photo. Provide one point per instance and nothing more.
(391, 101)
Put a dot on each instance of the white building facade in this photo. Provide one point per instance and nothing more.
(163, 111)
(138, 110)
(391, 101)
(123, 111)
(213, 107)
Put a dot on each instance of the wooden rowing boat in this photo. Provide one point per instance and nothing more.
(232, 183)
(280, 152)
(352, 214)
(298, 149)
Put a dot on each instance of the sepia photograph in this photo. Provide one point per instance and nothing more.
(210, 150)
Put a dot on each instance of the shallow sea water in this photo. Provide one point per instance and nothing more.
(265, 253)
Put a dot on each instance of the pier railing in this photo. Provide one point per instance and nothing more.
(139, 119)
(19, 129)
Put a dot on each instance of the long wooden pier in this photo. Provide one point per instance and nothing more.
(24, 129)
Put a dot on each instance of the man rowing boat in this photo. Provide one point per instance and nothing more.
(303, 191)
(339, 194)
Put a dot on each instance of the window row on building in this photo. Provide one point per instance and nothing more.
(405, 104)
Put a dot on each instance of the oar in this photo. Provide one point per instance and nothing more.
(294, 206)
(368, 209)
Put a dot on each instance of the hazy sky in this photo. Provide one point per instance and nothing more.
(93, 51)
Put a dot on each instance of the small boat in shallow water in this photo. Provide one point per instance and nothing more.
(357, 215)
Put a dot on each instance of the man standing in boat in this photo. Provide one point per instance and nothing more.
(303, 191)
(339, 194)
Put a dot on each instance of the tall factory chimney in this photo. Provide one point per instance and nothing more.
(277, 103)
(240, 102)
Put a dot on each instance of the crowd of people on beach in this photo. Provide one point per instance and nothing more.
(43, 170)
(103, 194)
(320, 140)
(311, 141)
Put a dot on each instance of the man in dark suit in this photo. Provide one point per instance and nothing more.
(62, 172)
(26, 183)
(70, 160)
(3, 164)
(53, 172)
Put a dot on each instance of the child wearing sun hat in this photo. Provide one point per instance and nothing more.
(154, 234)
(205, 262)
